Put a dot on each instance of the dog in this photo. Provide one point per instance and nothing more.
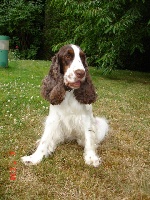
(69, 89)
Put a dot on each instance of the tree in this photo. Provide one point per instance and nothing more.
(24, 23)
(59, 28)
(110, 31)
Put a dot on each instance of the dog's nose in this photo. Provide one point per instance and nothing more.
(79, 73)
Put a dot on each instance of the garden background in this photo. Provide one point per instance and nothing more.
(114, 34)
(115, 37)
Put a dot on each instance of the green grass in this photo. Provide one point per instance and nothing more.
(123, 98)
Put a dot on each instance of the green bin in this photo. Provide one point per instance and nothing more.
(4, 48)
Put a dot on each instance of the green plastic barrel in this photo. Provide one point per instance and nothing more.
(4, 48)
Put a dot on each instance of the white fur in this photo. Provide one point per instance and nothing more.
(69, 76)
(68, 121)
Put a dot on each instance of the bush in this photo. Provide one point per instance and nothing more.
(110, 31)
(24, 24)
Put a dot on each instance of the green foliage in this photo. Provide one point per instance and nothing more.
(108, 30)
(58, 28)
(23, 20)
(114, 34)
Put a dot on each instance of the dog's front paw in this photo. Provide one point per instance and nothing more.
(31, 160)
(92, 159)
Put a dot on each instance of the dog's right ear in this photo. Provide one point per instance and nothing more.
(55, 67)
(53, 84)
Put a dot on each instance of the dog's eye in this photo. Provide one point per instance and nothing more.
(82, 56)
(68, 56)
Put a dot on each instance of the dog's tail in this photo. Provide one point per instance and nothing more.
(102, 128)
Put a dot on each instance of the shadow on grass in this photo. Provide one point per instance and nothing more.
(123, 75)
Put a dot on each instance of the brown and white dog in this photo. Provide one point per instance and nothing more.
(69, 89)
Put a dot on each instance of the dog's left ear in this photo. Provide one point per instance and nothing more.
(86, 94)
(53, 88)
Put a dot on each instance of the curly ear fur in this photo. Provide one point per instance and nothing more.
(86, 93)
(53, 89)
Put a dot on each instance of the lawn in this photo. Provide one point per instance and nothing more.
(123, 98)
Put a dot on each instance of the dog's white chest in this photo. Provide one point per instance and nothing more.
(71, 105)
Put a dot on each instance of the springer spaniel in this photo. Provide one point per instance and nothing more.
(69, 89)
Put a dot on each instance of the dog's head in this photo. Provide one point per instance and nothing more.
(69, 71)
(72, 65)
